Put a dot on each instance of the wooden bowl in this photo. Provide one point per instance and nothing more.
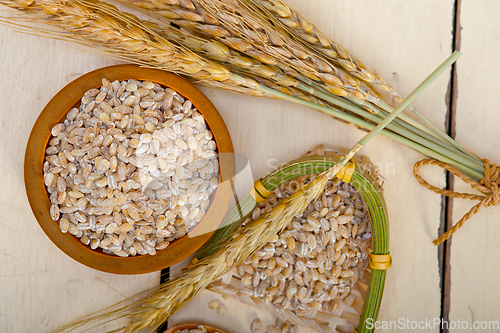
(192, 327)
(38, 197)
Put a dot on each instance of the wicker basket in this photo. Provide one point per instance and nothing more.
(372, 285)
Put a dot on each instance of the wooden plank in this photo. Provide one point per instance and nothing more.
(475, 247)
(390, 37)
(42, 288)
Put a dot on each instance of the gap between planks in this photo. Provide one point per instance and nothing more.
(164, 276)
(444, 249)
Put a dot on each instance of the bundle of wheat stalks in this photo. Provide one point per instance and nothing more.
(257, 47)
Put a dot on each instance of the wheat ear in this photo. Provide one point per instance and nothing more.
(122, 36)
(102, 26)
(299, 26)
(149, 313)
(285, 17)
(251, 67)
(237, 25)
(234, 24)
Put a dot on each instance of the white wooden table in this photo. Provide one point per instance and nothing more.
(42, 288)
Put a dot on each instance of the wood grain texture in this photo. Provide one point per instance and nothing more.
(44, 289)
(475, 247)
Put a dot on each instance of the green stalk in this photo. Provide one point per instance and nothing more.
(421, 138)
(452, 147)
(438, 71)
(408, 124)
(382, 106)
(405, 126)
(433, 127)
(404, 120)
(367, 125)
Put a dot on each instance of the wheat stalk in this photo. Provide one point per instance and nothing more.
(124, 37)
(236, 61)
(92, 23)
(157, 308)
(118, 34)
(236, 26)
(285, 17)
(260, 11)
(100, 25)
(243, 27)
(149, 313)
(233, 24)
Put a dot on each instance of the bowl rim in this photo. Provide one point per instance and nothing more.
(191, 326)
(56, 110)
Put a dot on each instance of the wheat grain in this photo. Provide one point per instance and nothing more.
(256, 325)
(199, 329)
(147, 188)
(213, 304)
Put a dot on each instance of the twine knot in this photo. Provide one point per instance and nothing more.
(488, 186)
(490, 180)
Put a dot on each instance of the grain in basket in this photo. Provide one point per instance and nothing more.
(311, 269)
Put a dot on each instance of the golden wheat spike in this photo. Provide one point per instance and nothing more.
(120, 35)
(235, 25)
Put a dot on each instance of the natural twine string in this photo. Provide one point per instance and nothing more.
(488, 186)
